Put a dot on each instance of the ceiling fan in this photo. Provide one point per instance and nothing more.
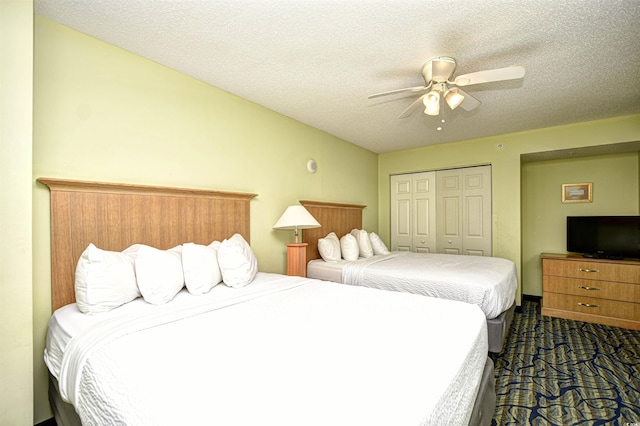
(437, 75)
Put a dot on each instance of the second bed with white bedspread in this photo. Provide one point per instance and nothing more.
(487, 282)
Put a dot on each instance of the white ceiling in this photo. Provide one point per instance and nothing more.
(317, 60)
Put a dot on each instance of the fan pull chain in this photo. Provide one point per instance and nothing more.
(441, 115)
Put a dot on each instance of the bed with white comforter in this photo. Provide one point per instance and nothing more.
(282, 350)
(487, 282)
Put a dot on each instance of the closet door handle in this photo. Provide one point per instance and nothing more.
(588, 305)
(588, 288)
(588, 270)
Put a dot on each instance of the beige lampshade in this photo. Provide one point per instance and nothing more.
(296, 217)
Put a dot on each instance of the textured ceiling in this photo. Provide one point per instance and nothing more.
(317, 61)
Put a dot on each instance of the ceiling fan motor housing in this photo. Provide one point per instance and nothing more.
(439, 70)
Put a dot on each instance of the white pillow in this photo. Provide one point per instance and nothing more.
(329, 248)
(200, 267)
(355, 232)
(237, 262)
(349, 247)
(159, 272)
(104, 280)
(364, 243)
(377, 244)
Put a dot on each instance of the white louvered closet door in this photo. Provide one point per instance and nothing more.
(464, 211)
(413, 205)
(476, 214)
(444, 211)
(449, 216)
(424, 212)
(401, 205)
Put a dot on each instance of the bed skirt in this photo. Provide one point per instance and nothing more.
(485, 404)
(63, 412)
(498, 329)
(483, 408)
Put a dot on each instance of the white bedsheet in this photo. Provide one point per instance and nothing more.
(67, 321)
(488, 282)
(285, 351)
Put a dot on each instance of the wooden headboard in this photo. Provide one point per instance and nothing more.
(114, 216)
(333, 217)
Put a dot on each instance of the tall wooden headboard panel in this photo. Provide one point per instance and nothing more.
(114, 216)
(333, 217)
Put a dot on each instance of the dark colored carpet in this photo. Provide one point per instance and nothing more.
(560, 372)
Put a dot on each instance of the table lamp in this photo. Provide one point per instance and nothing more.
(296, 217)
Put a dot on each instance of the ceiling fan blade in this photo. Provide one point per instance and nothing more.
(500, 74)
(411, 107)
(406, 89)
(469, 103)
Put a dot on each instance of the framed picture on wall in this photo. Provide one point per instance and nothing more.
(577, 192)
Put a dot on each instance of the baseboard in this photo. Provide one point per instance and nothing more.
(528, 298)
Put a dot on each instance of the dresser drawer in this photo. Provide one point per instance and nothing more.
(592, 270)
(591, 306)
(591, 288)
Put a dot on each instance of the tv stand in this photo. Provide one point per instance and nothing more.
(604, 291)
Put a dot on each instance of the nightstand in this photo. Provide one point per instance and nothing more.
(297, 259)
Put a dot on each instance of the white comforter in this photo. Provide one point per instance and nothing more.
(281, 351)
(488, 282)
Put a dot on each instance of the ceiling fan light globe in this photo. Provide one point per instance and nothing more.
(432, 109)
(432, 98)
(431, 103)
(453, 98)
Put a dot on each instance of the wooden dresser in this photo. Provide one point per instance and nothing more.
(595, 290)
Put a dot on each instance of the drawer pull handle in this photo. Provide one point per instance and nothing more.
(588, 270)
(588, 288)
(588, 305)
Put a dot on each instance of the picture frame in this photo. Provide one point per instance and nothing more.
(577, 192)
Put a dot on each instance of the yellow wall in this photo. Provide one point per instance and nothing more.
(16, 341)
(101, 113)
(16, 364)
(615, 192)
(503, 153)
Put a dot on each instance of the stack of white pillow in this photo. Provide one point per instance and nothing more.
(358, 243)
(105, 279)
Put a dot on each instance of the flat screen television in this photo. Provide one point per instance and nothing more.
(612, 237)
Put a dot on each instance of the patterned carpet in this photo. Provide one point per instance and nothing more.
(561, 372)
